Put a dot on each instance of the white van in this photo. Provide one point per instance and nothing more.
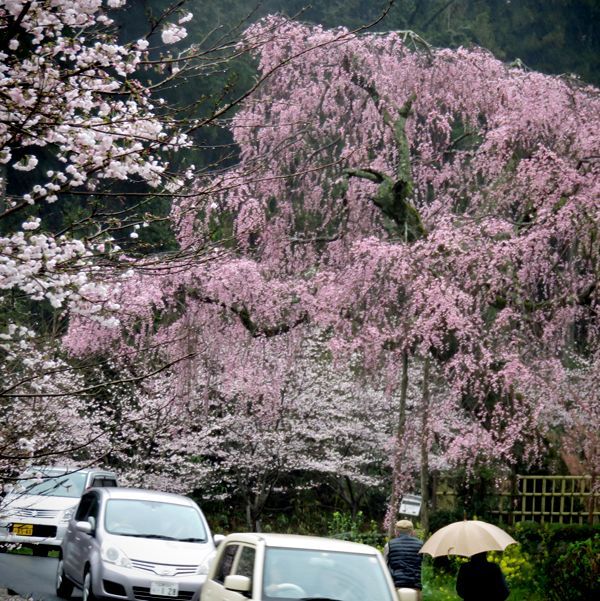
(35, 513)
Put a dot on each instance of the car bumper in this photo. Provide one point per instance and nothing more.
(56, 532)
(116, 582)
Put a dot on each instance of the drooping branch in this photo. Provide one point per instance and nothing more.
(89, 389)
(267, 332)
(256, 330)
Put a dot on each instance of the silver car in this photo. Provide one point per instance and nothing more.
(127, 543)
(36, 511)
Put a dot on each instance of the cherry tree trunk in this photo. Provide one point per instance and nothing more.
(400, 429)
(425, 447)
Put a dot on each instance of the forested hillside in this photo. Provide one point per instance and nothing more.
(553, 37)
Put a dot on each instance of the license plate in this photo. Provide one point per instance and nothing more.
(22, 529)
(166, 589)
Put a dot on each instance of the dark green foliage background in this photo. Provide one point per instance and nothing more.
(552, 36)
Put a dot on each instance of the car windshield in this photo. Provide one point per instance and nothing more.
(154, 519)
(49, 485)
(313, 574)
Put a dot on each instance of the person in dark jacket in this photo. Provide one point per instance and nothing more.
(480, 579)
(403, 557)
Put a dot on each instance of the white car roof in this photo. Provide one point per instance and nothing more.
(143, 494)
(59, 470)
(298, 541)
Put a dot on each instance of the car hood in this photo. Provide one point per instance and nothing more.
(161, 551)
(37, 502)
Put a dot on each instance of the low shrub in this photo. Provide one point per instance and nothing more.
(346, 527)
(576, 573)
(516, 566)
(546, 546)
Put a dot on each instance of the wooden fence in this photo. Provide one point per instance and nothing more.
(561, 499)
(558, 499)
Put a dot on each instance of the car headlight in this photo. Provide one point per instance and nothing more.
(205, 565)
(114, 555)
(67, 514)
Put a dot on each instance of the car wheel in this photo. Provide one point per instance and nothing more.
(64, 587)
(39, 551)
(88, 593)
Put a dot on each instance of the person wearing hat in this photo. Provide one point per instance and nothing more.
(403, 558)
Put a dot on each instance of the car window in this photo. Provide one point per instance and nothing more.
(103, 481)
(344, 576)
(93, 510)
(226, 562)
(85, 506)
(245, 564)
(154, 519)
(67, 485)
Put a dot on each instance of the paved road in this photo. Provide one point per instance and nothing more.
(29, 576)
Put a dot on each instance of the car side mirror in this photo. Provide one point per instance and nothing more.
(84, 527)
(87, 527)
(238, 583)
(218, 539)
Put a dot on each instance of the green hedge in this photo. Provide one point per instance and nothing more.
(576, 574)
(565, 559)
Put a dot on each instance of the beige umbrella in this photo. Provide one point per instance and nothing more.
(467, 538)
